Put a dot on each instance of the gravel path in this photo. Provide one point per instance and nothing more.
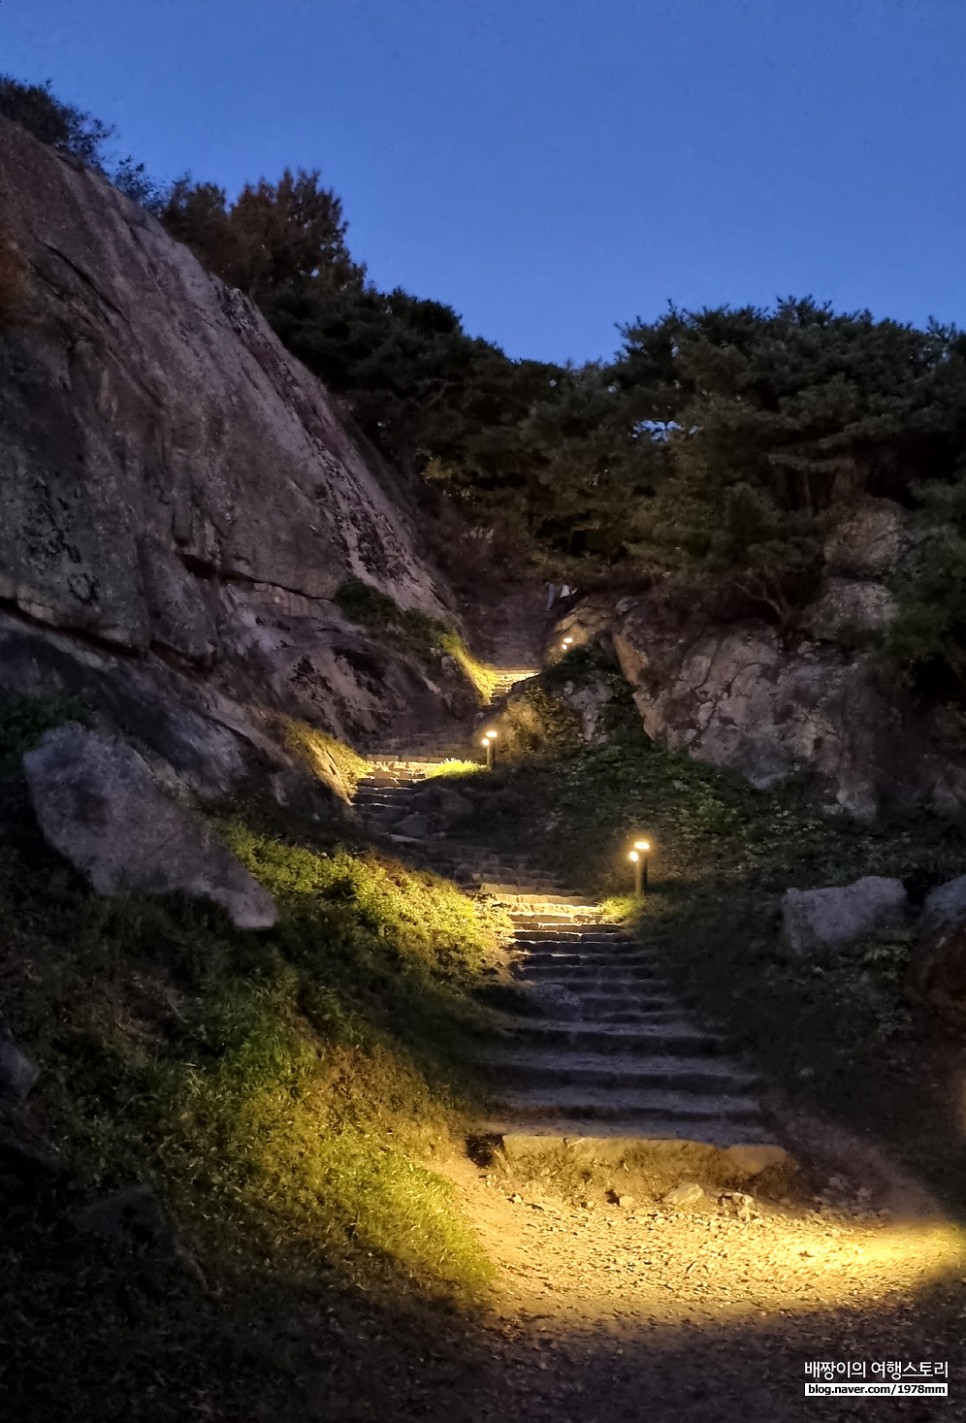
(643, 1312)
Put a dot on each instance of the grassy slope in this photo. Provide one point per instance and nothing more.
(284, 1092)
(836, 1035)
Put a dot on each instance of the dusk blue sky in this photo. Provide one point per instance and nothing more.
(551, 168)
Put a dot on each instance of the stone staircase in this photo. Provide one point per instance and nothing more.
(611, 1054)
(600, 1049)
(422, 750)
(507, 678)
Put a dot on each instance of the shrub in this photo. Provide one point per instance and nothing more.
(62, 126)
(366, 605)
(325, 756)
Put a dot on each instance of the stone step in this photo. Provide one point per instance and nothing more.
(401, 772)
(628, 1005)
(535, 1069)
(601, 958)
(603, 1103)
(599, 955)
(578, 978)
(616, 1138)
(399, 782)
(628, 1016)
(569, 936)
(524, 902)
(397, 779)
(677, 1038)
(615, 979)
(587, 964)
(646, 1014)
(569, 918)
(550, 921)
(524, 879)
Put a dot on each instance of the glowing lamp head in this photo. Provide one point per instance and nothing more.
(567, 641)
(634, 857)
(644, 845)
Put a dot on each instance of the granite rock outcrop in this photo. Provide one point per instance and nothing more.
(182, 500)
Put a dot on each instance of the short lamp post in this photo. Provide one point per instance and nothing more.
(638, 858)
(488, 741)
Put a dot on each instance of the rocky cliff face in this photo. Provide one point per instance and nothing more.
(768, 706)
(180, 499)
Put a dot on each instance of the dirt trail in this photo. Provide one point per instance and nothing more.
(645, 1312)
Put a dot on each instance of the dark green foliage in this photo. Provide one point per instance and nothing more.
(23, 720)
(544, 726)
(365, 604)
(776, 421)
(71, 130)
(928, 638)
(136, 183)
(62, 126)
(434, 400)
(369, 607)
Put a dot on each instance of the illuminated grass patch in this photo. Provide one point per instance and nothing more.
(454, 768)
(286, 1092)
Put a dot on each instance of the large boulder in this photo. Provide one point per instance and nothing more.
(816, 920)
(98, 805)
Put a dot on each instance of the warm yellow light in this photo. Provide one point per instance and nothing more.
(567, 641)
(634, 856)
(491, 735)
(642, 844)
